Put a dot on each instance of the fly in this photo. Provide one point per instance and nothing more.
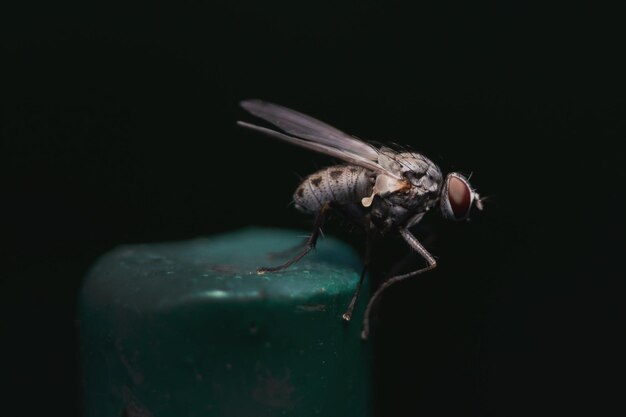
(382, 189)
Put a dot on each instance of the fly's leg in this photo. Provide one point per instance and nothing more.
(417, 246)
(366, 261)
(308, 246)
(288, 251)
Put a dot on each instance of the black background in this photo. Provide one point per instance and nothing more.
(118, 125)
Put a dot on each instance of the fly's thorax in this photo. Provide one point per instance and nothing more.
(386, 215)
(409, 164)
(341, 184)
(421, 171)
(425, 181)
(423, 175)
(394, 205)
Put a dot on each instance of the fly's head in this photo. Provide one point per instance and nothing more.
(458, 197)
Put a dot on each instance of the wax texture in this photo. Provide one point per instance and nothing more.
(190, 329)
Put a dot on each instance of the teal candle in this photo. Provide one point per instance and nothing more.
(189, 329)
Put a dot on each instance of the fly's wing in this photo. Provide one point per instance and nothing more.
(310, 133)
(308, 128)
(319, 147)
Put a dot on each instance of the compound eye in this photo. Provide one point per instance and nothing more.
(459, 196)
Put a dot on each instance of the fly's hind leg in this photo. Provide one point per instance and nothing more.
(308, 246)
(289, 251)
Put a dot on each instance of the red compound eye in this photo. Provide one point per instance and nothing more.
(459, 196)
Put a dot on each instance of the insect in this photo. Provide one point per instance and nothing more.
(384, 190)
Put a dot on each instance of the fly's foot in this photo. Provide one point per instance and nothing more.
(264, 269)
(346, 317)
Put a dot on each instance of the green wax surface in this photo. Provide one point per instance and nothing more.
(190, 329)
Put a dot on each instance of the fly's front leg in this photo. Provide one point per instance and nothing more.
(308, 246)
(417, 246)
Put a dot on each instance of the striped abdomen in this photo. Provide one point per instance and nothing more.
(342, 184)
